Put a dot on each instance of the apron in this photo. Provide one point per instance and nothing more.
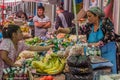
(95, 36)
(109, 52)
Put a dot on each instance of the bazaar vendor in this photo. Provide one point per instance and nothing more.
(100, 32)
(12, 44)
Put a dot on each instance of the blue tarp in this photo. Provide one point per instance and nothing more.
(79, 1)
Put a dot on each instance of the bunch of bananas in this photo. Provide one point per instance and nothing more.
(50, 65)
(24, 29)
(6, 23)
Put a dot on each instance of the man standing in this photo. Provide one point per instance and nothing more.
(63, 19)
(41, 23)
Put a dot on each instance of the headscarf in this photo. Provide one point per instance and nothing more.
(97, 11)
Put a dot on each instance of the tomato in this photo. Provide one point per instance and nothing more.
(49, 77)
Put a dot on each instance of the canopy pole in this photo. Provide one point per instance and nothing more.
(74, 5)
(3, 12)
(31, 8)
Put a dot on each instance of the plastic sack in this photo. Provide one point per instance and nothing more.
(78, 50)
(78, 61)
(80, 71)
(78, 77)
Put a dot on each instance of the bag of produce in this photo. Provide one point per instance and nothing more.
(78, 61)
(80, 71)
(78, 77)
(78, 50)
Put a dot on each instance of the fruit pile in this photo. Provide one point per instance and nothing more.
(50, 64)
(47, 78)
(32, 41)
(25, 29)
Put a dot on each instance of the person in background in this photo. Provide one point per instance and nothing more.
(12, 44)
(24, 16)
(63, 20)
(18, 14)
(100, 32)
(41, 23)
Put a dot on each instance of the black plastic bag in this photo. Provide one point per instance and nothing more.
(78, 61)
(80, 71)
(78, 77)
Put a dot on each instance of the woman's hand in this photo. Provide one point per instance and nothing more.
(100, 43)
(62, 30)
(58, 31)
(17, 65)
(95, 44)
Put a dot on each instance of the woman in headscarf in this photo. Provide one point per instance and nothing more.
(100, 32)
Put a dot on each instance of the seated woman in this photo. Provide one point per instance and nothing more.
(100, 32)
(12, 44)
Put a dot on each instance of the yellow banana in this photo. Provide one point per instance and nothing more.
(58, 70)
(35, 64)
(38, 65)
(46, 58)
(50, 65)
(39, 70)
(56, 66)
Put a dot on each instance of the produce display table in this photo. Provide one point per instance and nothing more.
(110, 77)
(57, 77)
(101, 66)
(37, 77)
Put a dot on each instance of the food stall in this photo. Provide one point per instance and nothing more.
(69, 59)
(66, 59)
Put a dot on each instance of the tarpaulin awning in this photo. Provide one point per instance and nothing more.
(2, 6)
(10, 2)
(36, 0)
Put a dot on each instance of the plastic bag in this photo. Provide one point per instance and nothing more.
(78, 77)
(80, 71)
(78, 61)
(76, 50)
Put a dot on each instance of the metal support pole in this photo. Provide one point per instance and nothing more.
(36, 7)
(22, 5)
(53, 13)
(3, 12)
(100, 4)
(70, 5)
(31, 8)
(66, 4)
(74, 5)
(119, 19)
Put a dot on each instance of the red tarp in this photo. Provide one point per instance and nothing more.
(2, 6)
(36, 0)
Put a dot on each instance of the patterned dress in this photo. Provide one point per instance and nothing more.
(7, 45)
(107, 28)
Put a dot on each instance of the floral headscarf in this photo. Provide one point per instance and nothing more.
(97, 11)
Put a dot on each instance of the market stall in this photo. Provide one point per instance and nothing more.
(70, 59)
(66, 59)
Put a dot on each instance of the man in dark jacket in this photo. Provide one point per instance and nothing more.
(63, 19)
